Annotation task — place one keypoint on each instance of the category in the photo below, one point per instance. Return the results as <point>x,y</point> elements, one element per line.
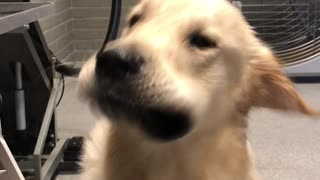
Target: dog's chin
<point>161,123</point>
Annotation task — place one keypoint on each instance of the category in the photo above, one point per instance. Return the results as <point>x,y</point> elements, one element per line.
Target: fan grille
<point>290,27</point>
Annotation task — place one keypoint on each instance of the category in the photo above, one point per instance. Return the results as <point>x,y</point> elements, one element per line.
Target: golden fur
<point>218,86</point>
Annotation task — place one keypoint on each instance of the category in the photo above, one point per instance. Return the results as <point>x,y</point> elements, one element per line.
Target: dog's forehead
<point>170,10</point>
<point>206,6</point>
<point>214,17</point>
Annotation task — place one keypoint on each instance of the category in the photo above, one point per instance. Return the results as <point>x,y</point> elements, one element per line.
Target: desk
<point>14,15</point>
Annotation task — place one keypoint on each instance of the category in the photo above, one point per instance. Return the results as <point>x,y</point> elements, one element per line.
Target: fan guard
<point>290,27</point>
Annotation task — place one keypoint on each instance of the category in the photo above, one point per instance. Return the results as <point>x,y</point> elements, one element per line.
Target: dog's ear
<point>272,89</point>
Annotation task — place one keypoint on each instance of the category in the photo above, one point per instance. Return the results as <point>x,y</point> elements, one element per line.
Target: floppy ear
<point>272,89</point>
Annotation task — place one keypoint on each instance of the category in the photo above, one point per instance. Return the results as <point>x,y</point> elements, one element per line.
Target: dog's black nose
<point>118,63</point>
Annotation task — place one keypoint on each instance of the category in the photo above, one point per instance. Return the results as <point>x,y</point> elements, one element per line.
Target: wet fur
<point>228,82</point>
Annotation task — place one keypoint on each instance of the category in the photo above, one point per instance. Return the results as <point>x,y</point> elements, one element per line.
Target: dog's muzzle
<point>116,71</point>
<point>165,125</point>
<point>118,63</point>
<point>162,124</point>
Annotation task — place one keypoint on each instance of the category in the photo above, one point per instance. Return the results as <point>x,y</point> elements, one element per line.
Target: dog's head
<point>183,65</point>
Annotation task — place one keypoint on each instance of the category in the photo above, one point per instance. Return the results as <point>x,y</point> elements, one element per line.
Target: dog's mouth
<point>159,123</point>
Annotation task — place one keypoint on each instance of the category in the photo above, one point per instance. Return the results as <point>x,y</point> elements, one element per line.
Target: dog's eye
<point>202,42</point>
<point>134,20</point>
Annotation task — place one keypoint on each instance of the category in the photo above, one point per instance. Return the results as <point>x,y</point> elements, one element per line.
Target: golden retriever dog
<point>174,92</point>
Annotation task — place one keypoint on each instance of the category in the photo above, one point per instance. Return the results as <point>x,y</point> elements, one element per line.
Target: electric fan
<point>291,28</point>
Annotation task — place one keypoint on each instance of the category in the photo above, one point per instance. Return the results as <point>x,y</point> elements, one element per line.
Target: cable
<point>1,109</point>
<point>62,90</point>
<point>62,68</point>
<point>114,23</point>
<point>71,70</point>
<point>112,33</point>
